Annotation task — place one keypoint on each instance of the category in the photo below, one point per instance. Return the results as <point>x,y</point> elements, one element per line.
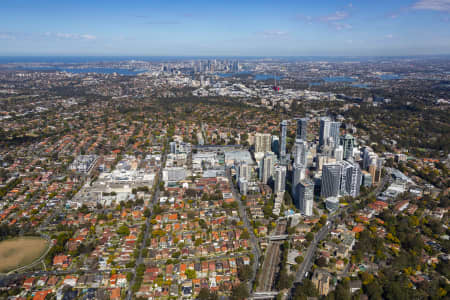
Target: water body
<point>89,59</point>
<point>255,76</point>
<point>266,77</point>
<point>89,70</point>
<point>339,79</point>
<point>103,71</point>
<point>389,76</point>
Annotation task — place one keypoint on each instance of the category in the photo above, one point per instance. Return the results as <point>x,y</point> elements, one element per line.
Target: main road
<point>243,213</point>
<point>152,203</point>
<point>323,232</point>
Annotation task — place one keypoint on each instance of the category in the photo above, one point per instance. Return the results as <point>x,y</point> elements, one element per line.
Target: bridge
<point>278,237</point>
<point>264,295</point>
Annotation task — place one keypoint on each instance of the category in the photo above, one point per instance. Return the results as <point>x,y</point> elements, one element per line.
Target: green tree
<point>245,273</point>
<point>123,230</point>
<point>240,292</point>
<point>306,289</point>
<point>191,274</point>
<point>206,294</point>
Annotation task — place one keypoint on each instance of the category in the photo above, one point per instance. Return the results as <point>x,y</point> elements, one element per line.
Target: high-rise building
<point>243,171</point>
<point>302,129</point>
<point>348,143</point>
<point>267,167</point>
<point>334,132</point>
<point>262,142</point>
<point>329,132</point>
<point>280,179</point>
<point>369,157</point>
<point>243,186</point>
<point>380,163</point>
<point>173,147</point>
<point>275,144</point>
<point>324,130</point>
<point>372,163</point>
<point>367,179</point>
<point>299,174</point>
<point>331,180</point>
<point>306,197</point>
<point>283,136</point>
<point>338,153</point>
<point>341,179</point>
<point>353,179</point>
<point>300,152</point>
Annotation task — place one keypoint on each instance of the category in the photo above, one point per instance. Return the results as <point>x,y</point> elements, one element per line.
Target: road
<point>308,258</point>
<point>243,213</point>
<point>154,201</point>
<point>323,232</point>
<point>5,279</point>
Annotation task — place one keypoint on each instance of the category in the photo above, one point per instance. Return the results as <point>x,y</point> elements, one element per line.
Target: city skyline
<point>287,28</point>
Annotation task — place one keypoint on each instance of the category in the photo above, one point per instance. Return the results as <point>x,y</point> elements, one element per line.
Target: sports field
<point>20,252</point>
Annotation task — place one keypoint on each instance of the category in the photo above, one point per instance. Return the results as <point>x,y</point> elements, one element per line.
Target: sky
<point>225,28</point>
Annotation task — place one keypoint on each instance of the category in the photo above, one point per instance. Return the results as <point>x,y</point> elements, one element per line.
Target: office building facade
<point>280,179</point>
<point>263,142</point>
<point>302,129</point>
<point>306,197</point>
<point>283,137</point>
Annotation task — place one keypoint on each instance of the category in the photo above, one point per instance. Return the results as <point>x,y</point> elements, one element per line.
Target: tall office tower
<point>331,180</point>
<point>372,163</point>
<point>367,157</point>
<point>339,153</point>
<point>324,130</point>
<point>302,129</point>
<point>300,152</point>
<point>375,169</point>
<point>380,163</point>
<point>275,144</point>
<point>280,179</point>
<point>243,186</point>
<point>283,133</point>
<point>306,197</point>
<point>299,174</point>
<point>373,172</point>
<point>263,142</point>
<point>243,171</point>
<point>173,147</point>
<point>348,143</point>
<point>353,179</point>
<point>334,132</point>
<point>267,167</point>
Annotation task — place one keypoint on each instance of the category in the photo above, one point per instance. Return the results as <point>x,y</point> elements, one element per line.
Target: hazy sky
<point>243,28</point>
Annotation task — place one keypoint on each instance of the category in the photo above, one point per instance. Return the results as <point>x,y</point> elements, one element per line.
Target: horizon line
<point>191,56</point>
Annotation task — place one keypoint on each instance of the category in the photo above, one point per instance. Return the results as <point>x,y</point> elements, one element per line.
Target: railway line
<point>271,262</point>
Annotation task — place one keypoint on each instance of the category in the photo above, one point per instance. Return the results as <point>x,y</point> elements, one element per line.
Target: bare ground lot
<point>19,252</point>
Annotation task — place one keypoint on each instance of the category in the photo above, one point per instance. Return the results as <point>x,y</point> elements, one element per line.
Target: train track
<point>269,267</point>
<point>271,261</point>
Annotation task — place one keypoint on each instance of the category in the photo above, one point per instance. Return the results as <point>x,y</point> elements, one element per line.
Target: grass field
<point>20,252</point>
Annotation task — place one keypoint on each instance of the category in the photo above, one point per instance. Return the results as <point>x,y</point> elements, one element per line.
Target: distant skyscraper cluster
<point>216,66</point>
